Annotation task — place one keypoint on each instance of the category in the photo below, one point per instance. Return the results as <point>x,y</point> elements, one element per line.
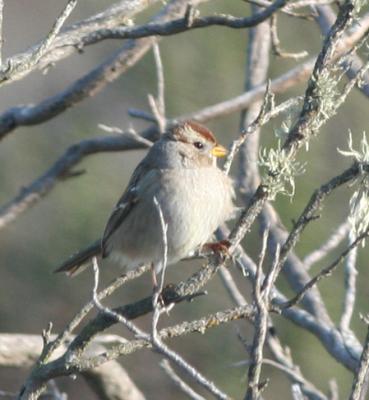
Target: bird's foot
<point>220,248</point>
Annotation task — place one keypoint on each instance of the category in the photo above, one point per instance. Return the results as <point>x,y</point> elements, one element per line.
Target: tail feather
<point>79,261</point>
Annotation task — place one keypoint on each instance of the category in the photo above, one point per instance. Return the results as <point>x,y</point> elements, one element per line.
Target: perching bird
<point>195,197</point>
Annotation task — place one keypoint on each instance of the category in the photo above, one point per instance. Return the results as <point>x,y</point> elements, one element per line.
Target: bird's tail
<point>79,261</point>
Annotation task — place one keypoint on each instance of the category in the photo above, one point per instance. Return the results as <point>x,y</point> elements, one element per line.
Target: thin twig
<point>362,370</point>
<point>140,114</point>
<point>350,272</point>
<point>129,132</point>
<point>264,117</point>
<point>291,5</point>
<point>271,276</point>
<point>254,386</point>
<point>191,371</point>
<point>183,386</point>
<point>293,374</point>
<point>276,44</point>
<point>164,261</point>
<point>43,47</point>
<point>157,105</point>
<point>331,243</point>
<point>325,271</point>
<point>95,297</point>
<point>160,98</point>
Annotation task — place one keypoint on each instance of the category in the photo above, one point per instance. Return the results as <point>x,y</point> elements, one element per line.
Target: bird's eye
<point>198,145</point>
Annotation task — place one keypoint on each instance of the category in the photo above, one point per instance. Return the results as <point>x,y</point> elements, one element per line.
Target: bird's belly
<point>192,211</point>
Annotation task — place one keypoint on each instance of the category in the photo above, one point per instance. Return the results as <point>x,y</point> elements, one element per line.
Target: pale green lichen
<point>327,90</point>
<point>280,171</point>
<point>289,121</point>
<point>359,202</point>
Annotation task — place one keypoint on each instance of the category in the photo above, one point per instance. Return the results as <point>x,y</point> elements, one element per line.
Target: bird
<point>195,197</point>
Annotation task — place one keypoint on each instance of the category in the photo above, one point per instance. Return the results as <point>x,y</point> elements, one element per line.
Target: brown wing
<point>124,206</point>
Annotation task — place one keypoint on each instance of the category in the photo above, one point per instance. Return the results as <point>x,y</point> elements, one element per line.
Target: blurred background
<point>209,67</point>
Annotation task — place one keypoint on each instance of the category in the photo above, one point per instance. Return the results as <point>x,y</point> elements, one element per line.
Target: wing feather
<point>124,206</point>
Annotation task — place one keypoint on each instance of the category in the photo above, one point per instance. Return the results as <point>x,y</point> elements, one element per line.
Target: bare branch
<point>21,351</point>
<point>181,25</point>
<point>59,367</point>
<point>201,325</point>
<point>308,121</point>
<point>325,18</point>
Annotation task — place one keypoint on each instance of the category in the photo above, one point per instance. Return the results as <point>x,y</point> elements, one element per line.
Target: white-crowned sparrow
<point>195,197</point>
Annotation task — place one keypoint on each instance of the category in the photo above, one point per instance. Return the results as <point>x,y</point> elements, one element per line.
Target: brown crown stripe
<point>202,130</point>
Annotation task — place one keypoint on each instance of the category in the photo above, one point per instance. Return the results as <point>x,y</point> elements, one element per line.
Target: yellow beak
<point>219,151</point>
